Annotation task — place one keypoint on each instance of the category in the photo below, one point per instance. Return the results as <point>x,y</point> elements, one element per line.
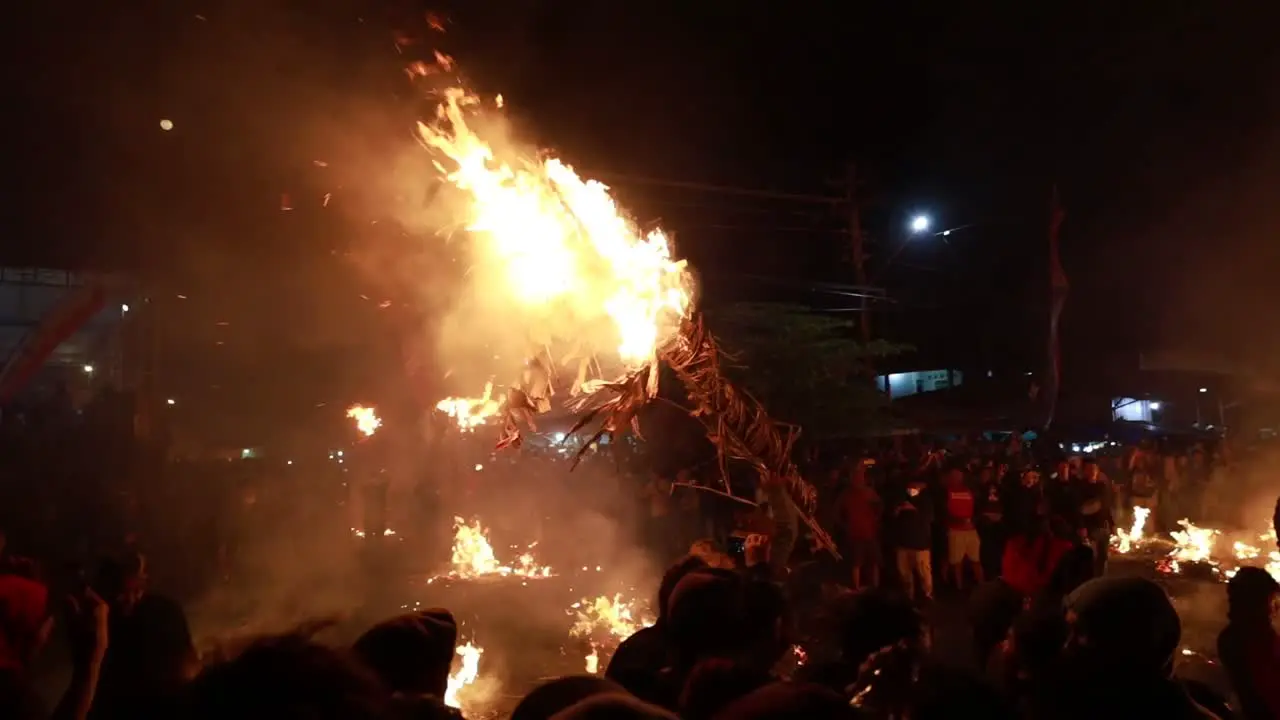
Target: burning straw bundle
<point>736,423</point>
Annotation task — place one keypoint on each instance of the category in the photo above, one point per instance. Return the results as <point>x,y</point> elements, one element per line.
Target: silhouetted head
<point>411,653</point>
<point>287,676</point>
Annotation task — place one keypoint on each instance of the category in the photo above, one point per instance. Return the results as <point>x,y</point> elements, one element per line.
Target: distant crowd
<point>752,622</point>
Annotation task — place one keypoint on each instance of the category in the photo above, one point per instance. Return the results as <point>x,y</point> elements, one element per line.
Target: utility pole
<point>859,257</point>
<point>857,246</point>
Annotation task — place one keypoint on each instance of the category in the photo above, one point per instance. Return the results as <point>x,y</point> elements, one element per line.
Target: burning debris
<point>1193,544</point>
<point>470,413</point>
<point>1196,550</point>
<point>604,623</point>
<point>566,258</point>
<point>473,556</point>
<point>367,420</point>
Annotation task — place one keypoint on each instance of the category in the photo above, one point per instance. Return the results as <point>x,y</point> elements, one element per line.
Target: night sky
<point>1155,120</point>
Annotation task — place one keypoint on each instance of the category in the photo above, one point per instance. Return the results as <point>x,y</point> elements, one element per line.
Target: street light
<point>88,369</point>
<point>920,224</point>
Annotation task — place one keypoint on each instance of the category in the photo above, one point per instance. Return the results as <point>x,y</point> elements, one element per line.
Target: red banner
<point>68,316</point>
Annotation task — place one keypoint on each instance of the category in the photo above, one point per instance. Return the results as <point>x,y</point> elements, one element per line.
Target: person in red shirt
<point>860,512</point>
<point>962,537</point>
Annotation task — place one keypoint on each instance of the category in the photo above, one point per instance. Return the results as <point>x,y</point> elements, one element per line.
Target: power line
<point>722,189</point>
<point>816,286</point>
<point>768,229</point>
<point>727,208</point>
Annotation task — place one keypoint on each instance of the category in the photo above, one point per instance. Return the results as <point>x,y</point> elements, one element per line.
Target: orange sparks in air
<point>367,420</point>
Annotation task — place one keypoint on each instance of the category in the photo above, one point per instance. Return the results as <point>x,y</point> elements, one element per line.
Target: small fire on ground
<point>466,674</point>
<point>604,623</point>
<point>1125,540</point>
<point>1194,546</point>
<point>360,533</point>
<point>473,556</point>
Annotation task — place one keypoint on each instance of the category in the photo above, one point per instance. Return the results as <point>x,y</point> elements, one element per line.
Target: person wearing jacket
<point>1249,647</point>
<point>1093,498</point>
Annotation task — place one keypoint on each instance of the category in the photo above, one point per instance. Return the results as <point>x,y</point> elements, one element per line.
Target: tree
<point>806,367</point>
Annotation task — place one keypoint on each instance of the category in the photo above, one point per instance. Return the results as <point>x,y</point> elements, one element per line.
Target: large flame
<point>556,249</point>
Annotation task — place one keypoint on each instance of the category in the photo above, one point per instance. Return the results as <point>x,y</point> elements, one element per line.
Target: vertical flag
<point>1058,287</point>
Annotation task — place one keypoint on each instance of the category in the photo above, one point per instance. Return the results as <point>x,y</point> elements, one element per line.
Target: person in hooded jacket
<point>411,655</point>
<point>1117,662</point>
<point>639,659</point>
<point>1249,647</point>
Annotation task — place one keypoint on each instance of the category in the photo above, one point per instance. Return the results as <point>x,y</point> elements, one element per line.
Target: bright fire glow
<point>617,617</point>
<point>466,674</point>
<point>606,622</point>
<point>1224,553</point>
<point>473,555</point>
<point>1125,540</point>
<point>367,420</point>
<point>469,413</point>
<point>556,247</point>
<point>1193,544</point>
<point>1248,554</point>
